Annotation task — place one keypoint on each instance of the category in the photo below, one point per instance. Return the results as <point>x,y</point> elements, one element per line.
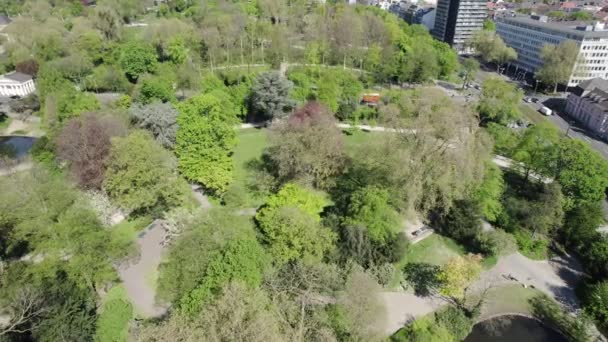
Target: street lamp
<point>536,86</point>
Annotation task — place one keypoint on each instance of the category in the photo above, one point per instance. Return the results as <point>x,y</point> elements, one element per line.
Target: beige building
<point>16,84</point>
<point>588,104</point>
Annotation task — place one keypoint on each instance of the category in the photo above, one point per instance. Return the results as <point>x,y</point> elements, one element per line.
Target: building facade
<point>528,35</point>
<point>457,20</point>
<point>16,84</point>
<point>588,104</point>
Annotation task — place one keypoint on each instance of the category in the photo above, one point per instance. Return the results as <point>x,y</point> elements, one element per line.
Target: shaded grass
<point>435,250</point>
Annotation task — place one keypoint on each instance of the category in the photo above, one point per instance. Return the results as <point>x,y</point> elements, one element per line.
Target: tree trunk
<point>555,88</point>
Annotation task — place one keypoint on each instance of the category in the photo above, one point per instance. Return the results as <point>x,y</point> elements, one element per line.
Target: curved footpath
<point>555,277</point>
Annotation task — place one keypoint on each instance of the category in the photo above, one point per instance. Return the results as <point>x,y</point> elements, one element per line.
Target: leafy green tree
<point>137,58</point>
<point>270,96</point>
<point>489,25</point>
<point>582,172</point>
<point>241,260</point>
<point>505,139</point>
<point>499,101</point>
<point>470,67</point>
<point>205,139</point>
<point>447,58</point>
<point>139,176</point>
<point>462,222</point>
<point>492,48</point>
<point>457,274</point>
<point>307,147</point>
<point>290,225</point>
<point>456,321</point>
<point>596,302</point>
<point>537,148</point>
<point>580,16</point>
<point>580,225</point>
<point>558,62</point>
<point>490,192</point>
<point>496,242</point>
<point>369,207</point>
<point>177,51</point>
<point>156,88</point>
<point>559,15</point>
<point>106,78</point>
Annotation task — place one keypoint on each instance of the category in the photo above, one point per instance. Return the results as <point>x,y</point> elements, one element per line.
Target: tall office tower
<point>457,20</point>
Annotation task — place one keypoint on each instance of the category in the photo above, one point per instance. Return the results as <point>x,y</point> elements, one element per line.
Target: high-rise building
<point>527,35</point>
<point>457,20</point>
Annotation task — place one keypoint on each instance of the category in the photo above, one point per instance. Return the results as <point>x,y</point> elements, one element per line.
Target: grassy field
<point>435,249</point>
<point>251,145</point>
<point>508,299</point>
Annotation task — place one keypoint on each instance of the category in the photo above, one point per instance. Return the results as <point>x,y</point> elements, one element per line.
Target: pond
<point>15,146</point>
<point>513,329</point>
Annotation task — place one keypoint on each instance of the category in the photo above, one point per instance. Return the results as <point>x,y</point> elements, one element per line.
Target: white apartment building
<point>588,104</point>
<point>527,35</point>
<point>16,84</point>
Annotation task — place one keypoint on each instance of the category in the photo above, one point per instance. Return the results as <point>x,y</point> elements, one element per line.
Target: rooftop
<point>18,76</point>
<point>595,86</point>
<point>571,28</point>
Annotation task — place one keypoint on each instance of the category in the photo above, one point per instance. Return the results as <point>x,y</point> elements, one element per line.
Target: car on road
<point>528,100</point>
<point>421,231</point>
<point>545,111</point>
<point>535,100</point>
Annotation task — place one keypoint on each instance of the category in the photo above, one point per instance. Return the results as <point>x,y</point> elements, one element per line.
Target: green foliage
<point>489,193</point>
<point>455,321</point>
<point>137,58</point>
<point>423,330</point>
<point>241,259</point>
<point>106,78</point>
<point>499,101</point>
<point>496,243</point>
<point>205,139</point>
<point>489,25</point>
<point>270,96</point>
<point>139,176</point>
<point>536,149</point>
<point>463,222</point>
<point>581,171</point>
<point>113,322</point>
<point>156,88</point>
<point>558,61</point>
<point>576,328</point>
<point>369,207</point>
<point>72,103</point>
<point>534,247</point>
<point>595,302</point>
<point>505,139</point>
<point>290,225</point>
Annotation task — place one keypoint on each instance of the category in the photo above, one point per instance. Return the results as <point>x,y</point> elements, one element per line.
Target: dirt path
<point>135,275</point>
<point>556,277</point>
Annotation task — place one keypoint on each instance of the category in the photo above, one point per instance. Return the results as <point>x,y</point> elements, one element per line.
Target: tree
<point>558,62</point>
<point>470,67</point>
<point>489,25</point>
<point>270,96</point>
<point>290,225</point>
<point>158,118</point>
<point>499,101</point>
<point>492,48</point>
<point>28,66</point>
<point>490,192</point>
<point>85,144</point>
<point>205,138</point>
<point>156,89</point>
<point>496,242</point>
<point>596,302</point>
<point>462,222</point>
<point>536,149</point>
<point>242,259</point>
<point>580,225</point>
<point>307,148</point>
<point>582,172</point>
<point>363,306</point>
<point>369,207</point>
<point>457,274</point>
<point>455,321</point>
<point>580,16</point>
<point>137,58</point>
<point>139,175</point>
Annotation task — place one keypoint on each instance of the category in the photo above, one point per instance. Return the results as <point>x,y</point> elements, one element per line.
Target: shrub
<point>113,322</point>
<point>533,247</point>
<point>496,243</point>
<point>456,321</point>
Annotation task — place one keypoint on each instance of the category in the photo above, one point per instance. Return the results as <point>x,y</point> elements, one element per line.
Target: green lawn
<point>508,299</point>
<point>435,249</point>
<point>251,145</point>
<point>357,137</point>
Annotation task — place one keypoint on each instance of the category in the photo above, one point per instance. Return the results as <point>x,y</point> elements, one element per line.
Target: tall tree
<point>470,67</point>
<point>499,101</point>
<point>158,118</point>
<point>205,139</point>
<point>270,96</point>
<point>85,144</point>
<point>308,147</point>
<point>558,62</point>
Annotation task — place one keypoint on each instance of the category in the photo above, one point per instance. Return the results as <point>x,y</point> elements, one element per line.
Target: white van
<point>545,110</point>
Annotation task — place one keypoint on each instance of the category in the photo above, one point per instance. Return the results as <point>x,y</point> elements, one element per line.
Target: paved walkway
<point>135,275</point>
<point>556,277</point>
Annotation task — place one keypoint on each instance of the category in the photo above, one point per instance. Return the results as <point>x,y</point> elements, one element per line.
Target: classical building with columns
<point>16,84</point>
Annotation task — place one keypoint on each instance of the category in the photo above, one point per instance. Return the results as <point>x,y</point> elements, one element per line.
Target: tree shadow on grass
<point>423,278</point>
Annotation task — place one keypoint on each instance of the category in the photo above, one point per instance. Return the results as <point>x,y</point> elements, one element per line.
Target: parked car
<point>545,111</point>
<point>420,231</point>
<point>535,100</point>
<point>528,100</point>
